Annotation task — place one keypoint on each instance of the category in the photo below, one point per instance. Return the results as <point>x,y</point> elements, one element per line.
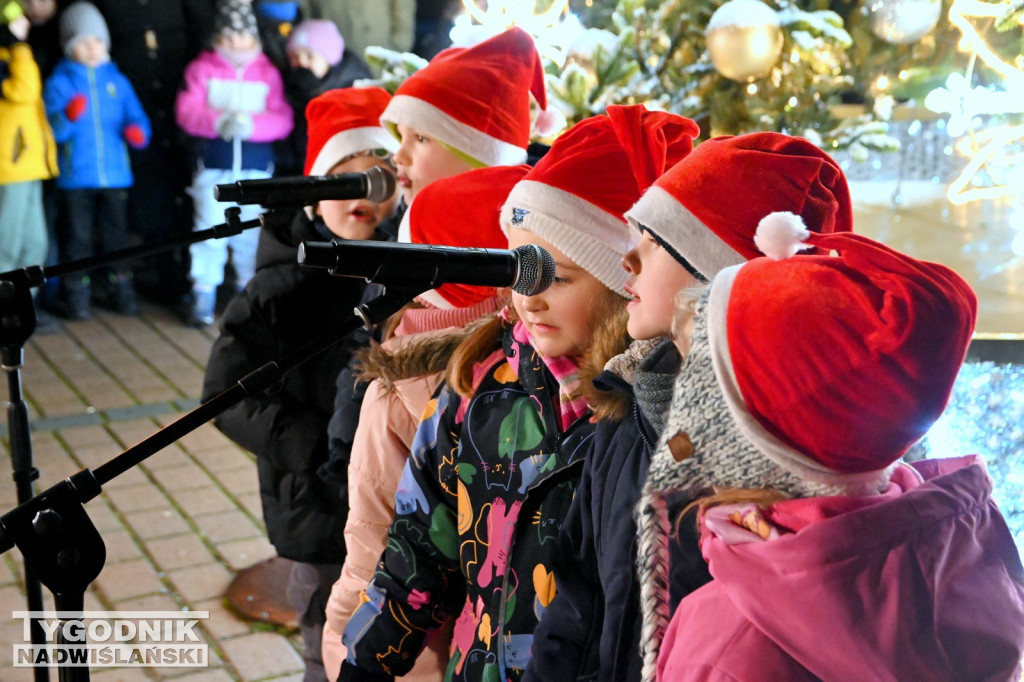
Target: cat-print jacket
<point>478,511</point>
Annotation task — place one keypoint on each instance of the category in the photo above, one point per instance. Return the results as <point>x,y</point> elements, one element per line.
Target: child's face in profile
<point>89,50</point>
<point>355,218</point>
<point>237,42</point>
<point>38,11</point>
<point>422,159</point>
<point>655,278</point>
<point>562,318</point>
<point>304,58</point>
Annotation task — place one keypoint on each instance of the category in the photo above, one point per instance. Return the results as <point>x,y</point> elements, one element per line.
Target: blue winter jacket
<point>92,152</point>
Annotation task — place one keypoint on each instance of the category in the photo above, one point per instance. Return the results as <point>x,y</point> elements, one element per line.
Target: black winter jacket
<point>591,630</point>
<point>283,307</point>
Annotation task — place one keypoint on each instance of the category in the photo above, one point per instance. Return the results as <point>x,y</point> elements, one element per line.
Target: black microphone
<point>375,184</point>
<point>527,270</point>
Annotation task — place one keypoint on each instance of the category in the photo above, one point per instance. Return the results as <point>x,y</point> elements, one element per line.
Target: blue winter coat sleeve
<point>133,112</point>
<point>57,93</point>
<point>418,582</point>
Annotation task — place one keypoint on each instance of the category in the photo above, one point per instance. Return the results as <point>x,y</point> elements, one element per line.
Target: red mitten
<point>135,136</point>
<point>76,107</point>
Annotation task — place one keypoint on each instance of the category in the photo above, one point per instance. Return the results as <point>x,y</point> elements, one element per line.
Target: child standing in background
<point>317,62</point>
<point>27,151</point>
<point>497,456</point>
<point>232,101</point>
<point>95,114</point>
<point>279,310</point>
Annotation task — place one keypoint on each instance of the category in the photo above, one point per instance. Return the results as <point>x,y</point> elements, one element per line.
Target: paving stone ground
<point>177,527</point>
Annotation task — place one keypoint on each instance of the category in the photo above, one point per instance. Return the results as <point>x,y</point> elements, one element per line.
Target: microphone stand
<point>18,322</point>
<point>59,542</point>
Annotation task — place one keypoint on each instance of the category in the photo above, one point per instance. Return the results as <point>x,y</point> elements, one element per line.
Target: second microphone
<point>376,184</point>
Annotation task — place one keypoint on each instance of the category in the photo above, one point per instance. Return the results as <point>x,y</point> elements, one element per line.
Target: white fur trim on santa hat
<point>780,235</point>
<point>553,213</point>
<point>351,141</point>
<point>658,211</point>
<point>429,120</point>
<point>866,483</point>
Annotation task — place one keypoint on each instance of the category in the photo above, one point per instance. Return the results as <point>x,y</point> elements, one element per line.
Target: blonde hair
<point>761,497</point>
<point>608,338</point>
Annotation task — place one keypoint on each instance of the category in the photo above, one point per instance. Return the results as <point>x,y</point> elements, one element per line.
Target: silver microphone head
<point>536,270</point>
<point>380,184</point>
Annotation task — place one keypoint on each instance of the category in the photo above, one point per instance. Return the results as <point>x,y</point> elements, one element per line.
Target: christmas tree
<point>736,66</point>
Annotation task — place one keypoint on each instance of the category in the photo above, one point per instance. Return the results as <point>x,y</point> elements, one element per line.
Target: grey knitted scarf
<point>653,382</point>
<point>720,456</point>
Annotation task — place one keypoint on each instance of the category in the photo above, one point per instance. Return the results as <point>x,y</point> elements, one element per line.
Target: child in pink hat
<point>318,62</point>
<point>807,380</point>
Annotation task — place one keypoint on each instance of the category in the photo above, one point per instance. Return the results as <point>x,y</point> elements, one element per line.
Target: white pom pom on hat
<point>781,235</point>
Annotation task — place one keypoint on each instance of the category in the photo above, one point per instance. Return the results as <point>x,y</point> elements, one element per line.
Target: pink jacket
<point>921,583</point>
<point>383,440</point>
<point>213,86</point>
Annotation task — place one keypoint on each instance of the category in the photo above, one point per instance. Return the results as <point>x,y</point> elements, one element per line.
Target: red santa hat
<point>344,122</point>
<point>577,193</point>
<point>706,209</point>
<point>461,210</point>
<point>476,100</point>
<point>834,366</point>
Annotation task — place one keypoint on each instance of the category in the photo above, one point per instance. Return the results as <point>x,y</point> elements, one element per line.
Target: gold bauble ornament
<point>744,40</point>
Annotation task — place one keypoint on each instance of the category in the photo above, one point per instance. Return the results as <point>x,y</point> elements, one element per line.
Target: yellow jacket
<point>27,150</point>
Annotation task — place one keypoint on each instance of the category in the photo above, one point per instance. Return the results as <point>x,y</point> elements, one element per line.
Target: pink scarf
<point>571,403</point>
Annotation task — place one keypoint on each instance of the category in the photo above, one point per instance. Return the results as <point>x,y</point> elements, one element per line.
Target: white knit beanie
<point>576,195</point>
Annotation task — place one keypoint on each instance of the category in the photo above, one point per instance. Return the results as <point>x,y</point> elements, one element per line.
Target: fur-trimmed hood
<point>404,357</point>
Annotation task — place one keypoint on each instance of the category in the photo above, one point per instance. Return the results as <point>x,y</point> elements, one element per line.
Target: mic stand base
<point>57,538</point>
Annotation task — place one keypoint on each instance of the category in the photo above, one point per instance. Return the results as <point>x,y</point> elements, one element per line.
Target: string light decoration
<point>995,153</point>
<point>553,29</point>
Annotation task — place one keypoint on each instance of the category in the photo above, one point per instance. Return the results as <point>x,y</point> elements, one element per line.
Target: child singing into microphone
<point>495,460</point>
<point>282,307</point>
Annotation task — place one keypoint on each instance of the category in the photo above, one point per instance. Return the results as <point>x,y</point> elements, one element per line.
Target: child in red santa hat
<point>685,228</point>
<point>280,309</point>
<point>808,378</point>
<point>468,108</point>
<point>497,455</point>
<point>403,373</point>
